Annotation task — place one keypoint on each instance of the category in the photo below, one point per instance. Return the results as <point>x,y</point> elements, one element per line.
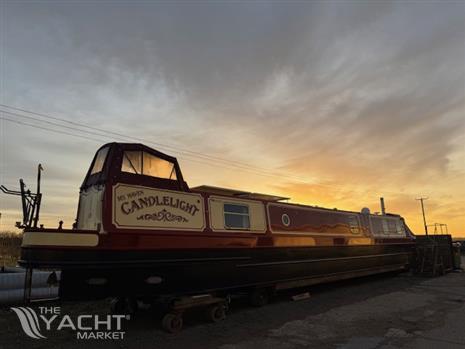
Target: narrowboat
<point>142,231</point>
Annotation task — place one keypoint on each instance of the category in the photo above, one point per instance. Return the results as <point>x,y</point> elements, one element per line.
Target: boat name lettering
<point>132,206</point>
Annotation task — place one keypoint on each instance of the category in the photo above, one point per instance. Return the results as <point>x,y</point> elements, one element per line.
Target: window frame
<point>142,153</point>
<point>105,150</point>
<point>237,214</point>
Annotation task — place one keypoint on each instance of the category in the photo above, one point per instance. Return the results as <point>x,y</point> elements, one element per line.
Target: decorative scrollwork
<point>163,216</point>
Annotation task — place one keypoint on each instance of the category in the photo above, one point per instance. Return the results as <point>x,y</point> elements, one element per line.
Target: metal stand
<point>30,202</point>
<point>433,255</point>
<point>27,286</point>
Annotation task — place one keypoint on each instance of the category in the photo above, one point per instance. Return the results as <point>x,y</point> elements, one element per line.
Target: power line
<point>73,134</point>
<point>178,149</point>
<point>52,123</point>
<point>185,154</point>
<point>182,157</point>
<point>49,129</point>
<point>230,164</point>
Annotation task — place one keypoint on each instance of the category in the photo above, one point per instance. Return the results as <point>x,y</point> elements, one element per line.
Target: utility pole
<point>423,211</point>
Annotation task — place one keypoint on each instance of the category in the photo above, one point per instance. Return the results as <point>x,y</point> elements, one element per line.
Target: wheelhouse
<point>134,164</point>
<point>124,163</point>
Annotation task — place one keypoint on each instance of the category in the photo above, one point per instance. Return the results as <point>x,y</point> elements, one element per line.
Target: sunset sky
<point>331,103</point>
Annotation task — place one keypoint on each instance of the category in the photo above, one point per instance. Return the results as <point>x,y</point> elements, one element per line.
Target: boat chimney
<point>383,208</point>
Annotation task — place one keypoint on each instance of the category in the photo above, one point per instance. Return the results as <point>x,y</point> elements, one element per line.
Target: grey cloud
<point>292,77</point>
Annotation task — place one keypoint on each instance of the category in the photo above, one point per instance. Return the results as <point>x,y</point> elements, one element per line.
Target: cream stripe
<point>313,233</point>
<point>59,239</point>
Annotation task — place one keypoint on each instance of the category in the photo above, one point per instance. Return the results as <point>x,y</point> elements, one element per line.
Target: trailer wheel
<point>172,323</point>
<point>259,297</point>
<point>216,313</point>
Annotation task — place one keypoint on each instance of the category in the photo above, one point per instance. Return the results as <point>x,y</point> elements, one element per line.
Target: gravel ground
<point>385,311</point>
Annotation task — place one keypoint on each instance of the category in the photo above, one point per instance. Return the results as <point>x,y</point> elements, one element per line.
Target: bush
<point>10,248</point>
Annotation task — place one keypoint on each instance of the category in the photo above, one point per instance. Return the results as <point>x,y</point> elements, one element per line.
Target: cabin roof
<point>237,193</point>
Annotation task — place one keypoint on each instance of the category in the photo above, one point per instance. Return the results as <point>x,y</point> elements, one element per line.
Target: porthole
<point>286,220</point>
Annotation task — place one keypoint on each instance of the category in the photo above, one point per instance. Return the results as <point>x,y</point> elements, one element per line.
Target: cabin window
<point>99,161</point>
<point>132,162</point>
<point>156,167</point>
<point>139,162</point>
<point>236,216</point>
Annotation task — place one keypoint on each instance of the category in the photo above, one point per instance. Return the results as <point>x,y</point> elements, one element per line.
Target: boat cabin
<point>131,187</point>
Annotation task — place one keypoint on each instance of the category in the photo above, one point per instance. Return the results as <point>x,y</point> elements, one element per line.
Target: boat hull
<point>93,273</point>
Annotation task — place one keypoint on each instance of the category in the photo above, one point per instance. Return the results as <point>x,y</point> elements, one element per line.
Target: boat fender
<point>96,281</point>
<point>154,280</point>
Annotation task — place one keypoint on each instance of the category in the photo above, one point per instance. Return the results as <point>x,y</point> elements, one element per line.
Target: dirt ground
<point>386,311</point>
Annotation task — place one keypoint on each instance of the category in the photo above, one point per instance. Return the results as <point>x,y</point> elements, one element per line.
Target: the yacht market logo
<point>86,326</point>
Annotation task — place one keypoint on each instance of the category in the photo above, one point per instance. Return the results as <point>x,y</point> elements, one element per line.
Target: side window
<point>392,227</point>
<point>353,224</point>
<point>132,162</point>
<point>236,216</point>
<point>143,163</point>
<point>400,228</point>
<point>99,161</point>
<point>385,227</point>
